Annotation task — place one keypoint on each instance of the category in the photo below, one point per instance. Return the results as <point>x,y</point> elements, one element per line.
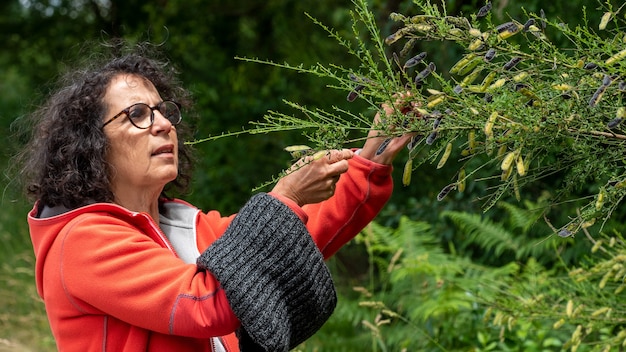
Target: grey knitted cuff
<point>274,276</point>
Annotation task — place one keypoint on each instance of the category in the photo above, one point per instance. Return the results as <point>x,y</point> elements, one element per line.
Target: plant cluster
<point>516,108</point>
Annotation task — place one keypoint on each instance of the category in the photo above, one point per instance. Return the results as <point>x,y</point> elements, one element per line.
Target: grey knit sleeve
<point>273,274</point>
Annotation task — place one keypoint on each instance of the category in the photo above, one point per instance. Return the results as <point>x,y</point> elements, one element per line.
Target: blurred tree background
<point>41,39</point>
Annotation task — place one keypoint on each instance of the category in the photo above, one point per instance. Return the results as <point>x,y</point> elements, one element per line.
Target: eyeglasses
<point>142,115</point>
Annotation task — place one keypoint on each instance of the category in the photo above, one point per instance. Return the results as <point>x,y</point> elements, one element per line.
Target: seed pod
<point>605,20</point>
<point>528,23</point>
<point>488,98</point>
<point>464,61</point>
<point>445,156</point>
<point>622,86</point>
<point>424,73</point>
<point>487,80</point>
<point>432,137</point>
<point>520,166</point>
<point>471,141</point>
<point>607,80</point>
<point>497,84</point>
<point>508,161</point>
<point>437,122</point>
<point>506,174</point>
<point>562,87</point>
<point>444,192</point>
<point>383,146</point>
<point>475,32</point>
<point>621,112</point>
<point>590,66</point>
<point>462,71</point>
<point>617,57</point>
<point>595,98</point>
<point>396,36</point>
<point>514,61</point>
<point>406,174</point>
<point>483,11</point>
<point>489,125</point>
<point>298,151</point>
<point>490,54</point>
<point>516,191</point>
<point>564,233</point>
<point>520,76</point>
<point>476,44</point>
<point>354,93</point>
<point>413,142</point>
<point>461,181</point>
<point>507,29</point>
<point>543,18</point>
<point>469,79</point>
<point>458,89</point>
<point>569,308</point>
<point>438,100</point>
<point>614,123</point>
<point>415,60</point>
<point>600,200</point>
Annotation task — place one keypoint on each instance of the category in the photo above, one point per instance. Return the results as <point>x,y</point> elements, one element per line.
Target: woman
<point>122,267</point>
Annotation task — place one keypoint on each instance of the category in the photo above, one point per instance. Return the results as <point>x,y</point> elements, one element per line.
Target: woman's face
<point>142,160</point>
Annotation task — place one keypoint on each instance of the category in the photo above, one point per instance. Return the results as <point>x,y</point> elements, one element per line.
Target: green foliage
<point>546,101</point>
<point>419,296</point>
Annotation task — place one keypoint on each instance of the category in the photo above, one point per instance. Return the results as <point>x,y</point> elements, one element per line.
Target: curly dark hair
<point>65,161</point>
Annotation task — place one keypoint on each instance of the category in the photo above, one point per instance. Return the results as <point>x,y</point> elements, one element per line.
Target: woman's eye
<point>137,113</point>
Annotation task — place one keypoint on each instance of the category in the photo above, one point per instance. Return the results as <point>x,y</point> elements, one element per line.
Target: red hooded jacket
<point>114,280</point>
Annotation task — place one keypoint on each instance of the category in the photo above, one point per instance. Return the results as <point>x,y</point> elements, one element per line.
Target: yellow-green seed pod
<point>406,175</point>
<point>497,84</point>
<point>600,199</point>
<point>490,122</point>
<point>621,112</point>
<point>487,81</point>
<point>462,71</point>
<point>558,324</point>
<point>461,181</point>
<point>562,87</point>
<point>501,151</point>
<point>588,223</point>
<point>475,32</point>
<point>520,76</point>
<point>605,20</point>
<point>438,100</point>
<point>506,174</point>
<point>475,45</point>
<point>600,311</point>
<point>471,141</point>
<point>464,61</point>
<point>569,308</point>
<point>469,79</point>
<point>434,91</point>
<point>520,166</point>
<point>298,151</point>
<point>445,156</point>
<point>617,57</point>
<point>508,161</point>
<point>424,28</point>
<point>456,32</point>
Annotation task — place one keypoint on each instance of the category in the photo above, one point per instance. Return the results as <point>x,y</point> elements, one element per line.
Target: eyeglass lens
<point>142,115</point>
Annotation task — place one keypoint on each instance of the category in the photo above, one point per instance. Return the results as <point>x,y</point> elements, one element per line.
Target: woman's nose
<point>161,124</point>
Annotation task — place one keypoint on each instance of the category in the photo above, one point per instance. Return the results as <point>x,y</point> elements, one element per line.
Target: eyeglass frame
<point>152,109</point>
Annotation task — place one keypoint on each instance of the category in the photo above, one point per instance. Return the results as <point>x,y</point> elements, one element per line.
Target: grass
<point>23,322</point>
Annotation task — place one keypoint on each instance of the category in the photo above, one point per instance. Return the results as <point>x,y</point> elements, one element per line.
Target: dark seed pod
<point>432,137</point>
<point>435,114</point>
<point>514,61</point>
<point>414,142</point>
<point>419,79</point>
<point>613,123</point>
<point>565,233</point>
<point>543,18</point>
<point>488,98</point>
<point>519,86</point>
<point>530,103</point>
<point>458,89</point>
<point>354,93</point>
<point>415,60</point>
<point>566,96</point>
<point>595,98</point>
<point>483,11</point>
<point>507,27</point>
<point>607,80</point>
<point>444,192</point>
<point>437,122</point>
<point>590,66</point>
<point>383,146</point>
<point>490,54</point>
<point>528,23</point>
<point>621,86</point>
